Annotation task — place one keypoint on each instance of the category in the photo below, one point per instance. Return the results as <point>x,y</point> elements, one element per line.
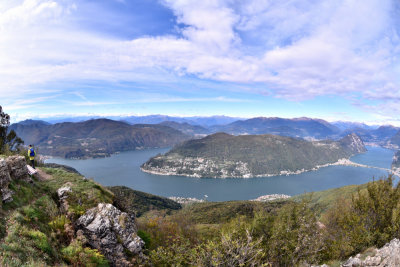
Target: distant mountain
<point>213,120</point>
<point>33,122</point>
<point>222,155</point>
<point>95,138</point>
<point>385,132</point>
<point>298,127</point>
<point>394,141</point>
<point>186,128</point>
<point>381,135</point>
<point>151,119</point>
<point>396,161</point>
<point>31,131</point>
<point>201,121</point>
<point>54,120</point>
<point>348,125</point>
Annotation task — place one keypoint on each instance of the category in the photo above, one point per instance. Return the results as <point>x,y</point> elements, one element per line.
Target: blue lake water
<point>124,169</point>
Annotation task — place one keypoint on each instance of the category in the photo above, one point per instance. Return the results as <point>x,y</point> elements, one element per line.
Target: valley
<point>127,167</point>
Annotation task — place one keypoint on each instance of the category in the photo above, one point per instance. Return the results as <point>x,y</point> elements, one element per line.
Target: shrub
<point>177,253</point>
<point>77,255</point>
<point>370,218</point>
<point>166,230</point>
<point>295,236</point>
<point>233,249</point>
<point>145,237</point>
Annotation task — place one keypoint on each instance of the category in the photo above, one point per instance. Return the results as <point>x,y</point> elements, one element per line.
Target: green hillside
<point>95,138</point>
<point>137,202</point>
<point>224,155</point>
<point>38,228</point>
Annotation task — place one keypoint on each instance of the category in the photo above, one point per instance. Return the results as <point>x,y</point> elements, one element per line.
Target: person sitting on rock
<point>32,154</point>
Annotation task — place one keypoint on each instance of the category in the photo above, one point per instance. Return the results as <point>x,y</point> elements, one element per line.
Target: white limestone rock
<point>111,231</point>
<point>387,256</point>
<point>17,168</point>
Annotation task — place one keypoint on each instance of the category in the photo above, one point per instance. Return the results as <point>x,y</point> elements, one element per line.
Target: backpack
<point>31,152</point>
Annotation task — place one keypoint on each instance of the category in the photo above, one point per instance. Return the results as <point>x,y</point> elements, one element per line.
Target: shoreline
<point>340,162</point>
<point>263,198</point>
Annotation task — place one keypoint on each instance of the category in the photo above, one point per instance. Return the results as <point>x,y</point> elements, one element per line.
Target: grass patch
<point>31,227</point>
<point>3,230</point>
<point>324,200</point>
<point>137,202</point>
<point>24,244</point>
<point>85,194</point>
<point>24,193</point>
<point>221,212</point>
<point>77,255</point>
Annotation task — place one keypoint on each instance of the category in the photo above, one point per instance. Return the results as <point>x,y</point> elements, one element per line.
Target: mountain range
<point>382,135</point>
<point>151,119</point>
<point>95,138</point>
<point>222,155</point>
<point>101,137</point>
<point>297,127</point>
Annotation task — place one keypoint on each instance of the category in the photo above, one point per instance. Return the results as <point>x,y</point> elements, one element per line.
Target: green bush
<point>77,255</point>
<point>235,248</point>
<point>370,218</point>
<point>145,237</point>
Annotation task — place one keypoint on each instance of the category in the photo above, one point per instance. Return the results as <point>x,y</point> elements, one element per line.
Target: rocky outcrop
<point>13,167</point>
<point>354,143</point>
<point>387,256</point>
<point>62,193</point>
<point>4,174</point>
<point>5,179</point>
<point>17,168</point>
<point>112,232</point>
<point>61,166</point>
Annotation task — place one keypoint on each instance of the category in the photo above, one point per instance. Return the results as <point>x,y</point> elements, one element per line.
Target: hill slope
<point>380,136</point>
<point>137,202</point>
<point>222,155</point>
<point>95,138</point>
<point>298,127</point>
<point>193,130</point>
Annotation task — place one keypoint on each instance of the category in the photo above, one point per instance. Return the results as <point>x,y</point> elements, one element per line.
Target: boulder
<point>6,194</point>
<point>352,262</point>
<point>4,174</point>
<point>62,193</point>
<point>17,168</point>
<point>112,232</point>
<point>387,256</point>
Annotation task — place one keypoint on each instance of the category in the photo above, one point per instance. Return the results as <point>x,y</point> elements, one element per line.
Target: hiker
<point>32,154</point>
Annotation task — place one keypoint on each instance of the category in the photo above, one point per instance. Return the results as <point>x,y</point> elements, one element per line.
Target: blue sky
<point>329,59</point>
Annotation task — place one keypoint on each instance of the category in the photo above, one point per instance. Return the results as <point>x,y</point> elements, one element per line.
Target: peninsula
<point>222,155</point>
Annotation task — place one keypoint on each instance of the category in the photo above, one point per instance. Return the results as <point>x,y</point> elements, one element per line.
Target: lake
<point>124,169</point>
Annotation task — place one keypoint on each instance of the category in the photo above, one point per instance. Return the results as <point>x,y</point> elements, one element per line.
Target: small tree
<point>296,237</point>
<point>13,142</point>
<point>4,123</point>
<point>8,140</point>
<point>371,218</point>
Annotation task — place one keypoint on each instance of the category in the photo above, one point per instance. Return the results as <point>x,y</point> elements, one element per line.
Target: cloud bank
<point>296,49</point>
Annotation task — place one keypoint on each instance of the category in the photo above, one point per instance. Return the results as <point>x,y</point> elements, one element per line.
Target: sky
<point>328,59</point>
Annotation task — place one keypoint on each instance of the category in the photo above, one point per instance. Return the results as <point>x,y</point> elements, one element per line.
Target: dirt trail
<point>42,176</point>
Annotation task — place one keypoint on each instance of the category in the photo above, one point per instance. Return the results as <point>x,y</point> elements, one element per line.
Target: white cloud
<point>299,48</point>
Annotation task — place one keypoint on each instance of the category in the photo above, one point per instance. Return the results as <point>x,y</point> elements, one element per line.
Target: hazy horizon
<point>121,116</point>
